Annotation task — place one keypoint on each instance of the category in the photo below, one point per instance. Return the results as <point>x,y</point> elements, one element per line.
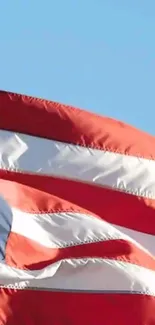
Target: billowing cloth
<point>77,217</point>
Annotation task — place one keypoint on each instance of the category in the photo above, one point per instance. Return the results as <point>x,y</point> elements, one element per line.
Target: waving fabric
<point>77,217</point>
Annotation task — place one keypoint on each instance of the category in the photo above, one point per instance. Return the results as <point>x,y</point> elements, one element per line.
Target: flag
<point>77,217</point>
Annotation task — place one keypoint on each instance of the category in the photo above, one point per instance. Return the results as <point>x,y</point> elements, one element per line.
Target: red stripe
<point>32,200</point>
<point>115,207</point>
<point>57,308</point>
<point>59,122</point>
<point>34,256</point>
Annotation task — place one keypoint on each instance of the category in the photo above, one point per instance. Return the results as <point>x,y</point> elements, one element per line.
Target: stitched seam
<point>88,146</point>
<point>88,241</point>
<point>19,287</point>
<point>83,242</point>
<point>52,211</point>
<point>16,286</point>
<point>135,192</point>
<point>71,108</point>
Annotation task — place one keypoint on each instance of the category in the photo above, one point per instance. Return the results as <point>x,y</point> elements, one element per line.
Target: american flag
<point>77,217</point>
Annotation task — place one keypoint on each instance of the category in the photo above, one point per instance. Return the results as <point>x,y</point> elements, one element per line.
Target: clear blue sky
<point>95,54</point>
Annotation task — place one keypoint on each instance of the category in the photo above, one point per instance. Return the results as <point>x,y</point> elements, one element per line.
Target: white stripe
<point>41,156</point>
<point>83,274</point>
<point>56,230</point>
<point>70,228</point>
<point>143,239</point>
<point>62,229</point>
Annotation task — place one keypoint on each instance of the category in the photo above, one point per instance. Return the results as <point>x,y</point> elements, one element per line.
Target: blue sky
<point>95,54</point>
